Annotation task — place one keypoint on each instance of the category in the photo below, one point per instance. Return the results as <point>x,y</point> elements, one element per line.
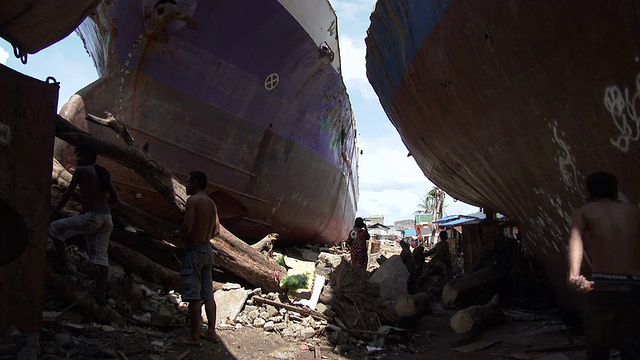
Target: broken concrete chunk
<point>392,277</point>
<point>268,326</point>
<point>330,260</point>
<point>272,311</point>
<point>229,303</point>
<point>259,322</point>
<point>231,286</point>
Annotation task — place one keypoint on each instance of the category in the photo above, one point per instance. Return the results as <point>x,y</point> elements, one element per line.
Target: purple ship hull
<point>247,91</point>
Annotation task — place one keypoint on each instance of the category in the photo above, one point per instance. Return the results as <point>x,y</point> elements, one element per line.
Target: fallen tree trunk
<point>472,288</point>
<point>241,259</point>
<point>232,253</point>
<point>143,267</point>
<point>265,246</point>
<point>85,303</point>
<point>412,306</point>
<point>161,252</point>
<point>477,317</point>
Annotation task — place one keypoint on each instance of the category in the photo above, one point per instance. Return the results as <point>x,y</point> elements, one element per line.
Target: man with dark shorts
<point>98,196</point>
<point>200,224</point>
<point>610,232</point>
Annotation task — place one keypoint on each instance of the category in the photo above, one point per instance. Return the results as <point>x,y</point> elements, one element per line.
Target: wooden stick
<point>300,310</point>
<point>124,357</point>
<point>114,125</point>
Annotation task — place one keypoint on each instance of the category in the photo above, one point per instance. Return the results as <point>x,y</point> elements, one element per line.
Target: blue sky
<point>391,184</point>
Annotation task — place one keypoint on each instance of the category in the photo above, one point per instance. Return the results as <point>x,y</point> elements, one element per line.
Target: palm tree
<point>426,203</point>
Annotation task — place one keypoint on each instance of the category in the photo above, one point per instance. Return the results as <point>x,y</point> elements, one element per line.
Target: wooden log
<point>86,304</point>
<point>412,306</point>
<point>158,176</point>
<point>143,267</point>
<point>297,309</point>
<point>232,253</point>
<point>265,246</point>
<point>477,317</point>
<point>470,288</point>
<point>241,259</point>
<point>114,125</point>
<point>161,252</point>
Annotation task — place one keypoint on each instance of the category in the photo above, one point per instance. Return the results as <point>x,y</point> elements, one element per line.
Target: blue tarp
<point>410,233</point>
<point>460,221</point>
<point>446,218</point>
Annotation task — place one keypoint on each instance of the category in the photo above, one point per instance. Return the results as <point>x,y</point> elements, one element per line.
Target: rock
<point>307,332</point>
<point>268,326</point>
<point>277,319</point>
<point>63,339</point>
<point>330,260</point>
<point>163,317</point>
<point>254,314</point>
<point>264,315</point>
<point>249,308</point>
<point>321,308</point>
<point>107,353</point>
<point>259,322</point>
<point>108,329</point>
<point>225,327</point>
<point>229,303</point>
<point>231,286</point>
<point>271,310</point>
<point>30,350</point>
<point>279,326</point>
<point>337,350</point>
<point>324,270</point>
<point>392,277</point>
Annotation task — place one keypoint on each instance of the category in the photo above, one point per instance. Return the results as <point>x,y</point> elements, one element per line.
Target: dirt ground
<point>432,338</point>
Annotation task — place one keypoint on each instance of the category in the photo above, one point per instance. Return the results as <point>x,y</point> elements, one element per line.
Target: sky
<point>393,190</point>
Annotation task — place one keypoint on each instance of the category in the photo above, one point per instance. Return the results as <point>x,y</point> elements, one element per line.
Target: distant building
<point>378,230</point>
<point>374,219</point>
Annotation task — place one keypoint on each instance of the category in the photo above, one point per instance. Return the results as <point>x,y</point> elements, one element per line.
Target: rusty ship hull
<point>509,105</point>
<point>248,91</point>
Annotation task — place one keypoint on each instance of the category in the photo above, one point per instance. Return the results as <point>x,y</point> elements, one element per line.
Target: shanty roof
<point>465,220</point>
<point>446,218</point>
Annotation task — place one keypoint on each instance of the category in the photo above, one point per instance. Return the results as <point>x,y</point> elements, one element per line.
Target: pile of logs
<point>158,260</point>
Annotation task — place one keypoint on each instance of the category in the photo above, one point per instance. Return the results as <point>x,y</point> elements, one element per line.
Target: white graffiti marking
<point>623,110</point>
<point>566,162</point>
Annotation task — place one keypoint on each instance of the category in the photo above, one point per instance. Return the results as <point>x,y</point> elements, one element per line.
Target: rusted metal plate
<point>27,108</point>
<point>510,105</point>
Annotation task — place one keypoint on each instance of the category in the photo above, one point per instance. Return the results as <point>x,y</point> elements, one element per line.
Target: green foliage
<point>295,282</point>
<point>281,261</point>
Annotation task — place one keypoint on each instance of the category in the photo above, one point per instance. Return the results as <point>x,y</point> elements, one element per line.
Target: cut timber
<point>410,306</point>
<point>231,253</point>
<point>143,267</point>
<point>87,305</point>
<point>161,252</point>
<point>478,316</point>
<point>466,290</point>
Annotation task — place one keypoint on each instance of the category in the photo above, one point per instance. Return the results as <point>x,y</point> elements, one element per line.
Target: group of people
<point>604,232</point>
<point>199,225</point>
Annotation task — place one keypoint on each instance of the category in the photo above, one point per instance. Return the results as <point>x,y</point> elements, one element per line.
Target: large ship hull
<point>510,105</point>
<point>239,90</point>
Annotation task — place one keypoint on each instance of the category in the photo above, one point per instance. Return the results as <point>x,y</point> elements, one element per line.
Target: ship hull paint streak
<point>282,159</point>
<point>510,105</point>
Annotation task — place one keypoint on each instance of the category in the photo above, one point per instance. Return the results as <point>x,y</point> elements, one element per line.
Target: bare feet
<point>210,336</point>
<point>185,341</point>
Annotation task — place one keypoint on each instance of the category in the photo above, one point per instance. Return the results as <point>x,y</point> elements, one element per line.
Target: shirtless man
<point>610,231</point>
<point>200,224</point>
<point>98,196</point>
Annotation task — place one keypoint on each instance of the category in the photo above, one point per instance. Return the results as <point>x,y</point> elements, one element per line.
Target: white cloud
<point>4,55</point>
<point>354,71</point>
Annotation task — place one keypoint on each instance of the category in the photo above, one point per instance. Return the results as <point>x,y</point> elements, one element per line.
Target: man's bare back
<point>612,236</point>
<point>205,219</point>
